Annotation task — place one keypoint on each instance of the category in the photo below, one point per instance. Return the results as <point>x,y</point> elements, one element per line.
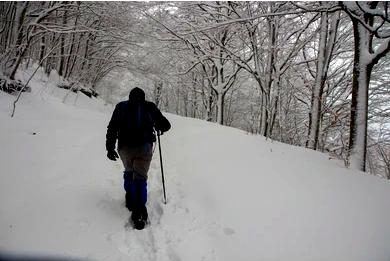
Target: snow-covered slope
<point>231,196</point>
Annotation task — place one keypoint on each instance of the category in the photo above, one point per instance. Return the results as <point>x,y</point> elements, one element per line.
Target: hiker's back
<point>136,123</point>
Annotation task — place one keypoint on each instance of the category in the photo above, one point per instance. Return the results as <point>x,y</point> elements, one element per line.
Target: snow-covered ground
<point>231,196</point>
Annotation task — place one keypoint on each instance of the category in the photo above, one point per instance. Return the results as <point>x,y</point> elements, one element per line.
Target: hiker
<point>134,123</point>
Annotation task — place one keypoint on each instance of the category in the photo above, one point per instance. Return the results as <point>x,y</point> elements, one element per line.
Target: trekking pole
<point>162,169</point>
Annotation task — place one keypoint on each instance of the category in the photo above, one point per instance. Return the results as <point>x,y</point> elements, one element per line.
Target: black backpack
<point>137,124</point>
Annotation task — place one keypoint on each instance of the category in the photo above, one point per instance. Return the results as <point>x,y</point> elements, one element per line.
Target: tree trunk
<point>62,48</point>
<point>359,116</point>
<point>318,85</point>
<point>74,60</point>
<point>365,57</point>
<point>209,113</point>
<point>9,37</point>
<point>50,60</point>
<point>86,52</point>
<point>42,48</point>
<point>359,105</point>
<point>269,76</point>
<point>8,13</point>
<point>264,114</point>
<point>21,9</point>
<point>220,106</point>
<point>274,110</point>
<point>158,85</point>
<point>325,49</point>
<point>194,95</point>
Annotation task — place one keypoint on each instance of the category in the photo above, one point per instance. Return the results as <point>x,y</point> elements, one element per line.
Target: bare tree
<point>371,42</point>
<point>326,45</point>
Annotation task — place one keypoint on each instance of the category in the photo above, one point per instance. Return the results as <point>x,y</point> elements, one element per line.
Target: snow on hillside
<point>231,196</point>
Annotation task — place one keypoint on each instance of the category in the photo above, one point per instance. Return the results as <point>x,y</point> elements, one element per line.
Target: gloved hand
<point>112,155</point>
<point>159,132</point>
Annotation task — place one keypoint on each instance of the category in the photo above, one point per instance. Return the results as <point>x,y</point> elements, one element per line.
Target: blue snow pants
<point>136,191</point>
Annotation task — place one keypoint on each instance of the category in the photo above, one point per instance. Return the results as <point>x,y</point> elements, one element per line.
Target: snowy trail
<point>153,243</point>
<point>231,196</point>
<point>160,239</point>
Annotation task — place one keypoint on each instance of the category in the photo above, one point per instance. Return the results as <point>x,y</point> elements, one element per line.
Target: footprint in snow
<point>228,231</point>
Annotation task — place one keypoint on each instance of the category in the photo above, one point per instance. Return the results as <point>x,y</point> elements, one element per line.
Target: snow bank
<point>231,196</point>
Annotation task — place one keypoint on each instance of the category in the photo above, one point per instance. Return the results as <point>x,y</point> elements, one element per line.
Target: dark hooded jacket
<point>134,122</point>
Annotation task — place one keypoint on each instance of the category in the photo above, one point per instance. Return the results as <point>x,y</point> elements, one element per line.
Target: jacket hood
<point>137,95</point>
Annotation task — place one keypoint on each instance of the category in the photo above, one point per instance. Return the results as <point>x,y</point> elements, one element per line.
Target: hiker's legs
<point>136,162</point>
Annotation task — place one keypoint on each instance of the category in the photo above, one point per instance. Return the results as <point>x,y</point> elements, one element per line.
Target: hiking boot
<point>139,217</point>
<point>138,220</point>
<point>139,224</point>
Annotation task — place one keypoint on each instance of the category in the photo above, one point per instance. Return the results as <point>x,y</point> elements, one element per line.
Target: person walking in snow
<point>134,123</point>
